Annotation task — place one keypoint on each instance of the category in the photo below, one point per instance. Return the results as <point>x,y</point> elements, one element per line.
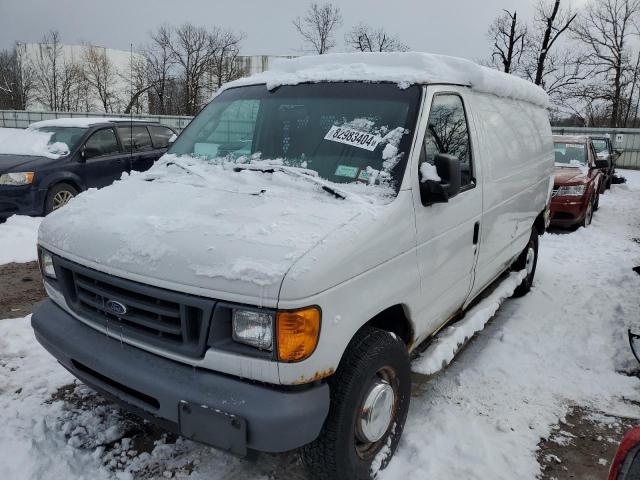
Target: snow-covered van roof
<point>403,68</point>
<point>78,122</point>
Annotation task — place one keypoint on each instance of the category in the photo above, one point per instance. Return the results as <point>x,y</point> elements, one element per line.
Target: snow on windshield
<point>33,142</point>
<point>346,133</point>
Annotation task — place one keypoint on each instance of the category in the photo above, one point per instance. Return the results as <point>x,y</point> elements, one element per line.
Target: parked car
<point>626,463</point>
<point>604,151</point>
<point>577,181</point>
<point>263,285</point>
<point>43,167</point>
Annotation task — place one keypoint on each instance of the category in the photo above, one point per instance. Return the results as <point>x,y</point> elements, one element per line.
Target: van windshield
<point>344,132</point>
<point>570,154</point>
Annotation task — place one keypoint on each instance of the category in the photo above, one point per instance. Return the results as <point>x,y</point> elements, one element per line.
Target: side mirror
<point>600,163</point>
<point>619,151</point>
<point>440,191</point>
<point>83,154</point>
<point>172,139</point>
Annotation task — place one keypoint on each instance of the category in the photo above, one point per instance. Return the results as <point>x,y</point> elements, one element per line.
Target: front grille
<point>175,321</point>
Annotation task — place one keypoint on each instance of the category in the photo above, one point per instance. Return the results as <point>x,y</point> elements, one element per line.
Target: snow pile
<point>403,68</point>
<point>32,142</point>
<point>447,343</point>
<point>18,237</point>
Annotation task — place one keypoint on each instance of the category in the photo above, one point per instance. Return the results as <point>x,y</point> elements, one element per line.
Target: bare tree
<point>161,65</point>
<point>102,75</point>
<point>56,76</point>
<point>318,26</point>
<point>193,49</point>
<point>364,38</point>
<point>508,38</point>
<point>550,23</point>
<point>16,79</point>
<point>225,59</point>
<point>605,28</point>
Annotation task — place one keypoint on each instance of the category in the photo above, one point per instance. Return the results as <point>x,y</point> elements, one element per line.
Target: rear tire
<point>528,260</point>
<point>58,196</point>
<point>375,364</point>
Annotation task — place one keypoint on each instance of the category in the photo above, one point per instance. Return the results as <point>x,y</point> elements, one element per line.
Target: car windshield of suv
<point>600,146</point>
<point>570,154</point>
<point>340,132</point>
<point>70,136</point>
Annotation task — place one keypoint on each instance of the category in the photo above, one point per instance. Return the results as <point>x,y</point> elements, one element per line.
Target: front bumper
<point>21,200</point>
<point>220,410</point>
<point>567,211</point>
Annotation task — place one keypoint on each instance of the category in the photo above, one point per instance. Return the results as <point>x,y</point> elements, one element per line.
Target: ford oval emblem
<point>116,307</point>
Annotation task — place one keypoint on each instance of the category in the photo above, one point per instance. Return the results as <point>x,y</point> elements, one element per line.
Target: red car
<point>577,181</point>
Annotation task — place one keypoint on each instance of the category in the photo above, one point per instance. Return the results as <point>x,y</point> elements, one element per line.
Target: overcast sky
<point>452,27</point>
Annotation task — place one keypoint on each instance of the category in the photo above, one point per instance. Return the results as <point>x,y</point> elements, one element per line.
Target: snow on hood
<point>403,68</point>
<point>217,230</point>
<point>33,143</point>
<point>566,174</point>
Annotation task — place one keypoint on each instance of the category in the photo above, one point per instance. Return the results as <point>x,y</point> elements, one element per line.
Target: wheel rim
<point>531,256</point>
<point>61,198</point>
<point>376,412</point>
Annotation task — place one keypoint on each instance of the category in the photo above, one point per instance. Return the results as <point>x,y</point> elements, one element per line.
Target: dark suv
<point>605,151</point>
<point>43,167</point>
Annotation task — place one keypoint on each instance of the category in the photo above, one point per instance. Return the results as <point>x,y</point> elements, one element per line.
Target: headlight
<point>253,327</point>
<point>571,191</point>
<point>46,265</point>
<point>16,178</point>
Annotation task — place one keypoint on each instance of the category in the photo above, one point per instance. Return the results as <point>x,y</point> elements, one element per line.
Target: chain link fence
<point>22,118</point>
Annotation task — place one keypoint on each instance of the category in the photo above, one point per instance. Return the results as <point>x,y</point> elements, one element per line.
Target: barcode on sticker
<point>352,137</point>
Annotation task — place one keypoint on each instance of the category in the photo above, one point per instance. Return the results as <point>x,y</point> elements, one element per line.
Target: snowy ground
<point>482,417</point>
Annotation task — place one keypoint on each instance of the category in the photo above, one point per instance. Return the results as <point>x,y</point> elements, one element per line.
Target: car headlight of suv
<point>571,191</point>
<point>16,178</point>
<point>253,327</point>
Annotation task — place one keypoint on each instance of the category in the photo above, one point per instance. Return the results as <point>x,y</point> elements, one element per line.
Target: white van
<point>262,286</point>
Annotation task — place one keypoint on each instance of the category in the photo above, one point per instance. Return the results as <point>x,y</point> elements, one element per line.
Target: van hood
<point>224,232</point>
<point>570,175</point>
<point>11,163</point>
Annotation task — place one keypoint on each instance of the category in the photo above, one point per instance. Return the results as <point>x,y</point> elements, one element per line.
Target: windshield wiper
<point>296,172</point>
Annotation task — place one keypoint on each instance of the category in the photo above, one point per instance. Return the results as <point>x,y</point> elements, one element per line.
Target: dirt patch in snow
<point>21,287</point>
<point>582,445</point>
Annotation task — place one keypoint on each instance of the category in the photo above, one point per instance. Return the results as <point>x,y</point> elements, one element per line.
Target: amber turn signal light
<point>298,332</point>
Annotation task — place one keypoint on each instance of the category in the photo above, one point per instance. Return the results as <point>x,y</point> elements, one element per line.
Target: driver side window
<point>102,142</point>
<point>448,133</point>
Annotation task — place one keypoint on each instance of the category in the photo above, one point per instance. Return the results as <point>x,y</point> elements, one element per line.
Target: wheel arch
<point>395,319</point>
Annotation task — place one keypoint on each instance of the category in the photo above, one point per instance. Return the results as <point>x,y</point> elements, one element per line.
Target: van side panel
<point>515,146</point>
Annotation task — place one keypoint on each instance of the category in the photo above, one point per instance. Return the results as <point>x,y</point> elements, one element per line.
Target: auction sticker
<point>352,137</point>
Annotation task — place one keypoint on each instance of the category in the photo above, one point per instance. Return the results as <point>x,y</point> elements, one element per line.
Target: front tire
<point>370,395</point>
<point>58,196</point>
<point>588,216</point>
<point>528,260</point>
